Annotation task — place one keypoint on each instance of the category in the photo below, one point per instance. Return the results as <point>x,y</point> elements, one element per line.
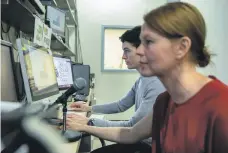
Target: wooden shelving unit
<point>18,15</point>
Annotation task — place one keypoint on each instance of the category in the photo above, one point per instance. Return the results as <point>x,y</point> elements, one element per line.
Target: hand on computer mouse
<point>78,118</point>
<point>80,106</point>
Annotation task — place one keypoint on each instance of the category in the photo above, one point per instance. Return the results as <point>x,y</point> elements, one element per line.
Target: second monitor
<point>63,72</point>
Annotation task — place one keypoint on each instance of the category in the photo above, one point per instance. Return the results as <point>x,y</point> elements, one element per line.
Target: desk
<point>73,147</point>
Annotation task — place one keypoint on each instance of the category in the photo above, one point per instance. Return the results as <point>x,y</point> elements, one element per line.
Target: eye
<point>148,42</point>
<point>126,51</point>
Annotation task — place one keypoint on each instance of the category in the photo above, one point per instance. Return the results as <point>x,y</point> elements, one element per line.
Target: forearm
<point>107,123</point>
<point>115,134</point>
<point>116,107</point>
<point>107,108</point>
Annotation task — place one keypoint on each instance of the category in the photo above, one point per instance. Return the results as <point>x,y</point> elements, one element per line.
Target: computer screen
<point>63,72</point>
<point>8,86</point>
<point>38,70</point>
<point>56,18</point>
<point>82,71</point>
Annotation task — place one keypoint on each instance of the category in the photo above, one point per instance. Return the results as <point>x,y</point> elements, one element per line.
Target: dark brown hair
<point>178,19</point>
<point>132,36</point>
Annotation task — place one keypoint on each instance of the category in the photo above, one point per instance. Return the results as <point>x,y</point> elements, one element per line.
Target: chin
<point>130,67</point>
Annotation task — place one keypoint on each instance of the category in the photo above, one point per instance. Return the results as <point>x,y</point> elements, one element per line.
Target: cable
<point>1,36</point>
<point>11,41</point>
<point>8,29</point>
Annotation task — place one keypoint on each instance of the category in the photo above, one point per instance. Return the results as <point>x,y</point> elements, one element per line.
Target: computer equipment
<point>8,86</point>
<point>63,72</point>
<point>80,97</point>
<point>38,70</point>
<point>56,18</point>
<point>82,71</point>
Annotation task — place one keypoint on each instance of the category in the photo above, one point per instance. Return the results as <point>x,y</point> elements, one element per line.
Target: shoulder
<point>162,100</point>
<point>161,104</point>
<point>160,111</point>
<point>217,95</point>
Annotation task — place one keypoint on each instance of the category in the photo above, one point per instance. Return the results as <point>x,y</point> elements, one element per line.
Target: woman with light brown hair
<point>192,116</point>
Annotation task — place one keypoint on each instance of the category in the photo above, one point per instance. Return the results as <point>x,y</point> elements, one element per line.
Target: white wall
<point>216,16</point>
<point>92,15</point>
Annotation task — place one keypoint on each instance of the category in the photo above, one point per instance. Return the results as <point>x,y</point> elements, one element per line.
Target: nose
<point>124,56</point>
<point>141,51</point>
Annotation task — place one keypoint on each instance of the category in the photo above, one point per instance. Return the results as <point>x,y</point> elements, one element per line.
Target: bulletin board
<point>111,57</point>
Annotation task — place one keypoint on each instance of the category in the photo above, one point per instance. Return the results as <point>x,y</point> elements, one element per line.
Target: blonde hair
<point>178,19</point>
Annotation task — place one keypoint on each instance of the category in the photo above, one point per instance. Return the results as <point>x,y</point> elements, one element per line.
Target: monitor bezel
<point>61,56</point>
<point>30,97</point>
<point>10,45</point>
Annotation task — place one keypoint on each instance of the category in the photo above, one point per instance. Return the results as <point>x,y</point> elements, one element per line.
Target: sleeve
<point>152,90</point>
<point>119,106</point>
<point>220,143</point>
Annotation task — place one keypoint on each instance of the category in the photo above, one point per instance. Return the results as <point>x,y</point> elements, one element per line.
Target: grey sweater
<point>143,95</point>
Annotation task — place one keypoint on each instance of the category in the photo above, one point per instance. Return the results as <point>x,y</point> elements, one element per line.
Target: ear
<point>184,45</point>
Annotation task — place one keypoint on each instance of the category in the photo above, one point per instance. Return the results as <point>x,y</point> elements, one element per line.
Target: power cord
<point>8,28</point>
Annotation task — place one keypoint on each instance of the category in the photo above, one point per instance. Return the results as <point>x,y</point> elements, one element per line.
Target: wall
<point>216,16</point>
<point>92,15</point>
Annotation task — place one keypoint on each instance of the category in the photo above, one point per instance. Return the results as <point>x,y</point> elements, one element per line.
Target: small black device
<point>82,71</point>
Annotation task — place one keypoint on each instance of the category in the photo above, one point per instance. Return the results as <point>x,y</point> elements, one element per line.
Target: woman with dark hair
<point>192,116</point>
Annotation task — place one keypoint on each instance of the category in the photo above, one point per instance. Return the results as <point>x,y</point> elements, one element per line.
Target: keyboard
<point>79,97</point>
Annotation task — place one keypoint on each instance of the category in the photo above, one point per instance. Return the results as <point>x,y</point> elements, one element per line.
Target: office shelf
<point>49,2</point>
<point>69,6</point>
<point>66,4</point>
<point>18,15</point>
<point>58,45</point>
<point>70,18</point>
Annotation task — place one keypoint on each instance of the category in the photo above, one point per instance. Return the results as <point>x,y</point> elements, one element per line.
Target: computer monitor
<point>57,19</point>
<point>82,71</point>
<point>8,86</point>
<point>38,70</point>
<point>63,72</point>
